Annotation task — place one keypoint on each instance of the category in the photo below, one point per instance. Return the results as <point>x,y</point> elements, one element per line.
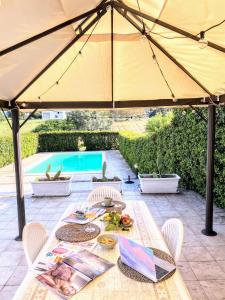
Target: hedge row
<point>32,143</point>
<point>29,146</point>
<point>182,148</point>
<point>73,140</point>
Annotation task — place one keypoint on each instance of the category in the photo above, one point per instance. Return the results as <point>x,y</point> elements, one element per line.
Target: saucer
<point>104,205</point>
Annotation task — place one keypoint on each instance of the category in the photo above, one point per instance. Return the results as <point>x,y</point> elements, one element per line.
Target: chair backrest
<point>34,238</point>
<point>173,233</point>
<point>99,193</point>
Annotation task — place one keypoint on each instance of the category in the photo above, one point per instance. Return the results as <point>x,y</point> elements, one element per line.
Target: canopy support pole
<point>18,171</point>
<point>112,54</point>
<point>210,172</point>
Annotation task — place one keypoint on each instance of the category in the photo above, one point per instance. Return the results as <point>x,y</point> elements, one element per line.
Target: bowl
<point>107,241</point>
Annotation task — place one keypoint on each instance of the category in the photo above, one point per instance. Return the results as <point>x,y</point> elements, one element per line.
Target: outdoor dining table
<point>113,284</point>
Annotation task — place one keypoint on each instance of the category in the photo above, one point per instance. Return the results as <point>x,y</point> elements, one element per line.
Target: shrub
<point>182,144</point>
<point>100,140</point>
<point>158,122</point>
<point>58,141</point>
<point>6,151</point>
<point>69,140</point>
<point>29,144</point>
<point>138,149</point>
<point>51,125</point>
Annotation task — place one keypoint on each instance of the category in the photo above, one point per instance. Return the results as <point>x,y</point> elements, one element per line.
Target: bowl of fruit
<point>107,241</point>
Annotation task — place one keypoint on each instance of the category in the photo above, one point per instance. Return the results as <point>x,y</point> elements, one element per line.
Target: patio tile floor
<point>202,262</point>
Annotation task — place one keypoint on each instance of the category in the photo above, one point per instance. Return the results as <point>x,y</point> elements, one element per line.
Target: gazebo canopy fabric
<point>117,62</point>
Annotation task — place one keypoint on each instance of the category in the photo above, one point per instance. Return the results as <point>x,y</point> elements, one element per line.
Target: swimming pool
<point>70,162</point>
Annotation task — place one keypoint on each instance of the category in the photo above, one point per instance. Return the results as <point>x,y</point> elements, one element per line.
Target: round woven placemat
<point>77,233</point>
<point>118,206</point>
<point>133,274</point>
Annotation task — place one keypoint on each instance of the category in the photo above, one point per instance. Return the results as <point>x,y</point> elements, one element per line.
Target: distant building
<point>53,115</point>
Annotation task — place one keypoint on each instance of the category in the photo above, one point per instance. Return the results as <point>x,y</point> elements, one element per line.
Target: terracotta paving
<point>202,262</point>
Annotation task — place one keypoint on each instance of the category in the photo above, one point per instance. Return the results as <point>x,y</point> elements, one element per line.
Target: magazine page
<point>88,263</point>
<point>63,280</point>
<point>59,252</point>
<point>89,215</point>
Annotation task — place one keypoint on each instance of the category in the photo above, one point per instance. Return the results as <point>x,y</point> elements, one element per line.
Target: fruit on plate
<point>126,220</point>
<point>114,221</point>
<point>107,218</point>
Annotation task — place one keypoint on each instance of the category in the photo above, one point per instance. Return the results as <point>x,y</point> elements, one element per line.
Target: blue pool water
<point>70,162</point>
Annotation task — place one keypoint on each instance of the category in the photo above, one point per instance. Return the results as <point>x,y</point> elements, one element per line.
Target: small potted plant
<point>115,182</point>
<point>159,183</point>
<point>56,185</point>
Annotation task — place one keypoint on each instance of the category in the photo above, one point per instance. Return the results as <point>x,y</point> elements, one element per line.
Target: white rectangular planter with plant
<point>114,182</point>
<point>155,184</point>
<point>51,186</point>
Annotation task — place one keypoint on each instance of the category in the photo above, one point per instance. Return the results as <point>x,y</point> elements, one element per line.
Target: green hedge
<point>100,140</point>
<point>182,147</point>
<point>71,141</point>
<point>58,141</point>
<point>29,146</point>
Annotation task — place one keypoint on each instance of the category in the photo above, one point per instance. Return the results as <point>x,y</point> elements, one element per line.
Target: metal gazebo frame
<point>136,18</point>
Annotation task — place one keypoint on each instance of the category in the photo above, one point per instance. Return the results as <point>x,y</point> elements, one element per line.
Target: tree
<point>159,121</point>
<point>51,125</point>
<point>77,119</point>
<point>89,120</point>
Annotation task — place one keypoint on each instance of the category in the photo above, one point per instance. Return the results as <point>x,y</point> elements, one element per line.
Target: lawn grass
<point>137,125</point>
<point>28,127</point>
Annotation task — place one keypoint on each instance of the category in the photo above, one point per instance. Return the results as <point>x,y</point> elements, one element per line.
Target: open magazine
<point>71,272</point>
<point>143,260</point>
<point>90,214</point>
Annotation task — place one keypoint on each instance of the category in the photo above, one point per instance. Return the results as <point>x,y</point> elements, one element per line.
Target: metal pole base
<point>18,238</point>
<point>209,233</point>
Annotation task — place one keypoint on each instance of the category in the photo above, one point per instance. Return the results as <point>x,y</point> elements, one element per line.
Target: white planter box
<point>159,185</point>
<point>51,188</point>
<point>115,184</point>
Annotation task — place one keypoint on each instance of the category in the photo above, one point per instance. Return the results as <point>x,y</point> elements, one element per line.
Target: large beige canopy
<point>111,53</point>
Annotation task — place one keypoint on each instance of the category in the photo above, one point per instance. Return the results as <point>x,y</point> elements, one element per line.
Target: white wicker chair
<point>34,238</point>
<point>173,233</point>
<point>99,193</point>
